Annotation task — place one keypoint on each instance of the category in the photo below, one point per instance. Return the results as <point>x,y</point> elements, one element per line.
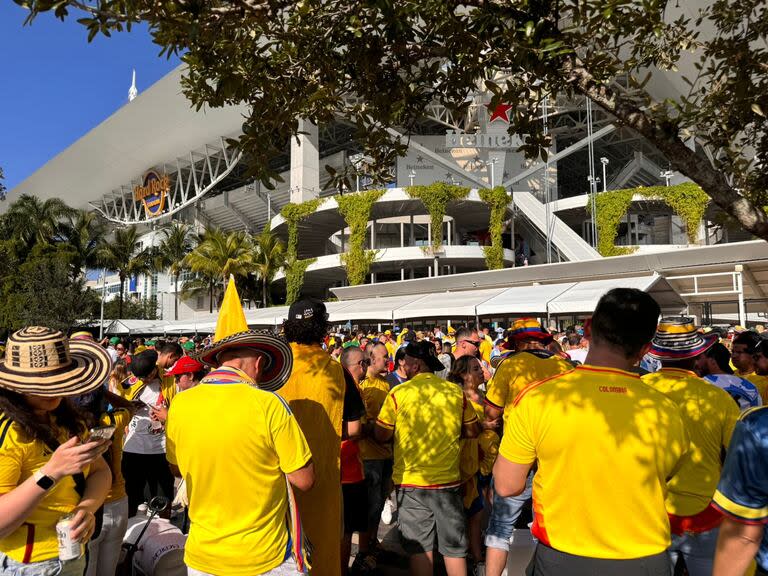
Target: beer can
<point>68,549</point>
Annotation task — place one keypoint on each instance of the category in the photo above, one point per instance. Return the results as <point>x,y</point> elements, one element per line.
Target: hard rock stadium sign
<point>152,192</point>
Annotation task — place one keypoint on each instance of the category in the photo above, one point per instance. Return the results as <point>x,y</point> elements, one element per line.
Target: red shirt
<point>351,463</point>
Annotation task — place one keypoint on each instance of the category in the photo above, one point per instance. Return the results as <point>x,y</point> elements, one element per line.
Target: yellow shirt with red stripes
<point>605,444</point>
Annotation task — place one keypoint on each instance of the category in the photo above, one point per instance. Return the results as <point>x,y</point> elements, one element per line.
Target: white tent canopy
<point>452,304</point>
<point>536,299</point>
<point>583,296</point>
<point>523,299</point>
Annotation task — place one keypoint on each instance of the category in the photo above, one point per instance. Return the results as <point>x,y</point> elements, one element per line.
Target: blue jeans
<point>53,567</point>
<point>698,551</point>
<point>504,514</point>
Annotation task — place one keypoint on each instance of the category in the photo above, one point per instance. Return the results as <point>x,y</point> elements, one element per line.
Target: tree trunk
<point>210,304</point>
<point>683,159</point>
<point>264,290</point>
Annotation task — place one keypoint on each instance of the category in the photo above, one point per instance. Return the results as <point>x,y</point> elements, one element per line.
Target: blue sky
<point>55,86</point>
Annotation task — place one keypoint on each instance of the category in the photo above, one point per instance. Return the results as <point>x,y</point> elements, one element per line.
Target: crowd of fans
<point>629,445</point>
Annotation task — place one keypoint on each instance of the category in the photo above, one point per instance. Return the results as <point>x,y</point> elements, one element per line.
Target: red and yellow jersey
<point>605,444</point>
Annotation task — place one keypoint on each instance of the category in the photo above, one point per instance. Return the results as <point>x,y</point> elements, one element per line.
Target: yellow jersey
<point>605,444</point>
<point>119,419</point>
<point>20,458</point>
<point>426,455</point>
<point>374,391</point>
<point>518,370</point>
<point>709,414</point>
<point>234,444</point>
<point>761,383</point>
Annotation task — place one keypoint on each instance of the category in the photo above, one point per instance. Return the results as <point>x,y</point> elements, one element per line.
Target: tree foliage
<point>177,242</point>
<point>379,64</point>
<point>268,259</point>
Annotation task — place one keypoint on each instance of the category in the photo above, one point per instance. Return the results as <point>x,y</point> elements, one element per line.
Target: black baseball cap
<point>308,309</point>
<point>425,350</point>
<point>719,353</point>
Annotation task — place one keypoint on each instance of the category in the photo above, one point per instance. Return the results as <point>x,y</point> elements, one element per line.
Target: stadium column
<point>305,163</point>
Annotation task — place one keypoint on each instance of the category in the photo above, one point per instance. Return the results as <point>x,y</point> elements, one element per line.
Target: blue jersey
<point>741,390</point>
<point>742,492</point>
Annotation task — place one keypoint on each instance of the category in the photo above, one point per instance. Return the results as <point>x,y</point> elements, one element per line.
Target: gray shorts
<point>550,562</point>
<point>424,514</point>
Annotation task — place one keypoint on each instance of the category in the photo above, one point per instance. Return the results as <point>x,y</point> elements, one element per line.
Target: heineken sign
<point>457,139</point>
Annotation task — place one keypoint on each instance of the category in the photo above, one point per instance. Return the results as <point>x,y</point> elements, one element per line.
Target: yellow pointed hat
<point>231,316</point>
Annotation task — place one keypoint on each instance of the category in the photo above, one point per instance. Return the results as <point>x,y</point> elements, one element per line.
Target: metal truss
<point>191,177</point>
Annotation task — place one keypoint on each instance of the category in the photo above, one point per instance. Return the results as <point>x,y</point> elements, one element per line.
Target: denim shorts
<point>52,567</point>
<point>504,514</point>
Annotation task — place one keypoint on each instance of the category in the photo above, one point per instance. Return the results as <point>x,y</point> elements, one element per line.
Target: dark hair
<point>170,348</point>
<point>719,353</point>
<point>311,331</point>
<point>762,347</point>
<point>409,336</point>
<point>574,339</point>
<point>459,367</point>
<point>750,339</point>
<point>625,319</point>
<point>399,355</point>
<point>14,406</point>
<point>143,364</point>
<point>465,332</point>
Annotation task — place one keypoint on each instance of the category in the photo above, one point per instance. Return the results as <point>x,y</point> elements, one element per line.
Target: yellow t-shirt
<point>605,445</point>
<point>119,419</point>
<point>486,347</point>
<point>710,415</point>
<point>761,383</point>
<point>233,444</point>
<point>391,349</point>
<point>374,391</point>
<point>518,370</point>
<point>469,458</point>
<point>426,455</point>
<point>19,459</point>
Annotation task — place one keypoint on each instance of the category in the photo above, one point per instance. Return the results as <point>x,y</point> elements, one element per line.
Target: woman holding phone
<point>48,467</point>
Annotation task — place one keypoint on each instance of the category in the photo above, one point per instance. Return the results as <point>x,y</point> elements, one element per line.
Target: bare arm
<point>470,430</point>
<point>304,478</point>
<point>737,545</point>
<point>351,430</point>
<point>493,415</point>
<point>509,477</point>
<point>69,458</point>
<point>383,435</point>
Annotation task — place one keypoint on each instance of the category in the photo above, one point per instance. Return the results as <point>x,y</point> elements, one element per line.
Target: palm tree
<point>218,255</point>
<point>36,221</point>
<point>269,257</point>
<point>123,254</point>
<point>176,244</point>
<point>84,233</point>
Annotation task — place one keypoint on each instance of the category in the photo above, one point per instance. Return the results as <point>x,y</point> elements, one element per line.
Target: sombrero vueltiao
<point>43,362</point>
<point>528,328</point>
<point>276,351</point>
<point>677,339</point>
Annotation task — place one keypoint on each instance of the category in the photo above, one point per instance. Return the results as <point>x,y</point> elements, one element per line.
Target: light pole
<point>604,161</point>
<point>493,171</point>
<point>411,176</point>
<point>667,175</point>
<point>103,296</point>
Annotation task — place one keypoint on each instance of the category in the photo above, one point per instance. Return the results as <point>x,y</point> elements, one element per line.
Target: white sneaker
<point>386,514</point>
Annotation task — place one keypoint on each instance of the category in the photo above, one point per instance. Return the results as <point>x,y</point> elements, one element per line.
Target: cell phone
<point>101,433</point>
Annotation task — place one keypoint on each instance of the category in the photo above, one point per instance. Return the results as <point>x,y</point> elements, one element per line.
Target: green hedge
<point>498,200</point>
<point>687,200</point>
<point>436,198</point>
<point>356,210</point>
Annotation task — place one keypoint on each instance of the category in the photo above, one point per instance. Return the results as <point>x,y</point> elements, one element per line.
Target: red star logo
<point>500,111</point>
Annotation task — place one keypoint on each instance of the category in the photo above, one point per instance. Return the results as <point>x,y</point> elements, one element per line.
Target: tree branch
<point>683,159</point>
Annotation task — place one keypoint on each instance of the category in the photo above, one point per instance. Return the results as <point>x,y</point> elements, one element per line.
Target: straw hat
<point>43,362</point>
<point>276,351</point>
<point>677,339</point>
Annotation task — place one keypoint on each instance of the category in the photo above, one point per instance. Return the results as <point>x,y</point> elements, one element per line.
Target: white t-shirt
<point>578,354</point>
<point>143,437</point>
